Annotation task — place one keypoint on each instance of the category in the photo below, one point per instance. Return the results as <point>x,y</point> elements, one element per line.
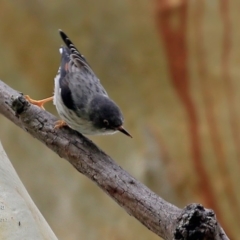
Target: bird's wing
<point>77,80</point>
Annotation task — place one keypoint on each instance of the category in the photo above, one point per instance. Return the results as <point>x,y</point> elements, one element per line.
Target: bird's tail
<point>74,54</point>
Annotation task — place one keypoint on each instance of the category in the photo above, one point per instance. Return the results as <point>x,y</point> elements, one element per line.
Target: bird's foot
<point>60,124</point>
<point>38,103</point>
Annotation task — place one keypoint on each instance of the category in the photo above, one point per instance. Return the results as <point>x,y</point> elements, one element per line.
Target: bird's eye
<point>106,122</point>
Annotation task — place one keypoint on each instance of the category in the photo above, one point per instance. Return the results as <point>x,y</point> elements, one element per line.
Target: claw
<point>60,124</point>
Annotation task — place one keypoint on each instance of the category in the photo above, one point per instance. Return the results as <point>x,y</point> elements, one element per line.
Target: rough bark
<point>161,217</point>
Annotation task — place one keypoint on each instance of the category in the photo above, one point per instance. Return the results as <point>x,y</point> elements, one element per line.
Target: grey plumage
<point>80,99</point>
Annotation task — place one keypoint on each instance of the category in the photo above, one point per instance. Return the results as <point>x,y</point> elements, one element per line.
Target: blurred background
<point>173,68</point>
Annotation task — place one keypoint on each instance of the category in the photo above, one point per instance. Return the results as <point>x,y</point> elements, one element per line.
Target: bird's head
<point>106,115</point>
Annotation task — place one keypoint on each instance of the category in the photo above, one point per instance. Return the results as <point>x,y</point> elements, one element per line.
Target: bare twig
<point>161,217</point>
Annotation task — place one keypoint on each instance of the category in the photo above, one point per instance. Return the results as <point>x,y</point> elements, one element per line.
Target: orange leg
<point>38,103</point>
<point>59,124</point>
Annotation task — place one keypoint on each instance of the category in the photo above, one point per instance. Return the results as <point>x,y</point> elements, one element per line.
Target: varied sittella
<point>81,101</point>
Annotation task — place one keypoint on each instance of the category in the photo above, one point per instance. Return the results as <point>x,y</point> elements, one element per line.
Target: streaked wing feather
<point>76,73</point>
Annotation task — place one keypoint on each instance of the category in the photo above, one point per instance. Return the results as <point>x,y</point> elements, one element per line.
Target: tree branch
<point>161,217</point>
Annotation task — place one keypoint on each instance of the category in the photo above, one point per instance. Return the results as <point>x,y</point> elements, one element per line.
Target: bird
<point>81,101</point>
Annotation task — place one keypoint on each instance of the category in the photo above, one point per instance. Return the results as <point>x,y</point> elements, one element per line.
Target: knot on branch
<point>19,104</point>
<point>196,223</point>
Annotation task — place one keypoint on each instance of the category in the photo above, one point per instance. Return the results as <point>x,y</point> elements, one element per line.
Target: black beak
<point>122,130</point>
